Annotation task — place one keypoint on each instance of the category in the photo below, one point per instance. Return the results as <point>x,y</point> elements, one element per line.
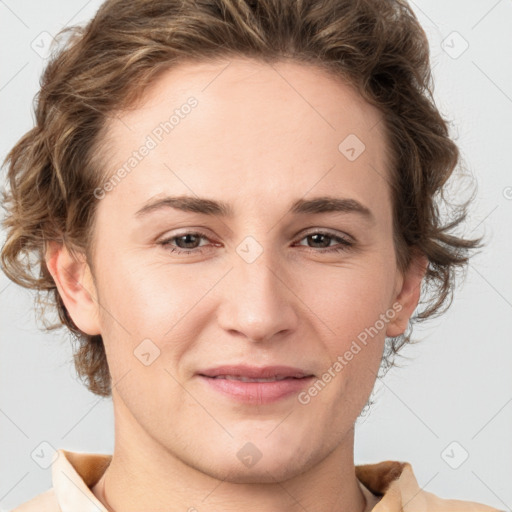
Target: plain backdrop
<point>448,411</point>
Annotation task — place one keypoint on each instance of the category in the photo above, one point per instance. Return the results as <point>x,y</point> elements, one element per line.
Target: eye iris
<point>326,238</point>
<point>187,237</point>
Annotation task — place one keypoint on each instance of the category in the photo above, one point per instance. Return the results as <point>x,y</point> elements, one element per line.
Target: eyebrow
<point>317,205</point>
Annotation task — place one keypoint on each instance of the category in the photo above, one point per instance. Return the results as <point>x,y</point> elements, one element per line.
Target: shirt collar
<point>73,474</point>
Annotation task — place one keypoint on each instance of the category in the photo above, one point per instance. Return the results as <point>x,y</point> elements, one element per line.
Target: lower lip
<point>258,392</point>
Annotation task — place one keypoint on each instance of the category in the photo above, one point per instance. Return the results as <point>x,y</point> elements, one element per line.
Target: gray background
<point>456,386</point>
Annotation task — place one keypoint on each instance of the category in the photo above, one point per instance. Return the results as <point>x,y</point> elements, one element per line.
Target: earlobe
<point>408,294</point>
<point>75,285</point>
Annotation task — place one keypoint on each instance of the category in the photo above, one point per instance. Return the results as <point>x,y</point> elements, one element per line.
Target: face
<point>267,272</point>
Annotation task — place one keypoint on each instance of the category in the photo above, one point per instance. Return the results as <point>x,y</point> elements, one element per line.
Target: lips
<point>251,385</point>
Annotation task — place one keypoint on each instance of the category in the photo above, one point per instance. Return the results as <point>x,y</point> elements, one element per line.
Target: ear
<point>75,284</point>
<point>407,294</point>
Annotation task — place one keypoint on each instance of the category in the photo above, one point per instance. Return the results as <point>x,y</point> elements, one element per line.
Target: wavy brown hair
<point>378,46</point>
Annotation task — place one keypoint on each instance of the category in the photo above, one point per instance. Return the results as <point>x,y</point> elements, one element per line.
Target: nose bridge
<point>259,277</point>
<point>258,303</point>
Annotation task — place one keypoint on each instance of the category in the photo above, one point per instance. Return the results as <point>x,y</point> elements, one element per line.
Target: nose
<point>257,302</point>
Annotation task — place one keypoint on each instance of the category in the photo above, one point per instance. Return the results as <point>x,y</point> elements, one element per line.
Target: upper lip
<point>254,372</point>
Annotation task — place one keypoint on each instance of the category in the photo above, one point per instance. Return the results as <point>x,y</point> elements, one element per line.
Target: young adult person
<point>234,205</point>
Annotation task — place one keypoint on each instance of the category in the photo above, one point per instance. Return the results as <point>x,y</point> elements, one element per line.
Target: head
<point>312,135</point>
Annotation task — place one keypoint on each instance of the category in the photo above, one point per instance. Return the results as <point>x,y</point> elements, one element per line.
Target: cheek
<point>349,298</point>
<point>354,308</point>
<point>357,322</point>
<point>162,303</point>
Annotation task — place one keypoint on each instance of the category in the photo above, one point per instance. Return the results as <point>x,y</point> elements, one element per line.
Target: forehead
<point>255,129</point>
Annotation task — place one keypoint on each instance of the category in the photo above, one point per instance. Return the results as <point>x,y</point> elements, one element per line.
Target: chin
<point>263,472</point>
<point>260,461</point>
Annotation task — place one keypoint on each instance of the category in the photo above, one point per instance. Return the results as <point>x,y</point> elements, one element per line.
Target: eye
<point>324,238</point>
<point>187,243</point>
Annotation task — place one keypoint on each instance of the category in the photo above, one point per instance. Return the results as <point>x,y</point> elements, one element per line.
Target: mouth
<point>256,374</point>
<point>248,379</point>
<point>278,384</point>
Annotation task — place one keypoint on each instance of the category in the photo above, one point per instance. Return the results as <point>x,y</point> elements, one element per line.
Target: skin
<point>260,138</point>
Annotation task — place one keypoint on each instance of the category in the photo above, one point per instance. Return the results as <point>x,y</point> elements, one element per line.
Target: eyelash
<point>345,243</point>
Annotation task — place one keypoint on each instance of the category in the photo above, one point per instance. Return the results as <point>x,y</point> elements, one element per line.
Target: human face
<point>254,288</point>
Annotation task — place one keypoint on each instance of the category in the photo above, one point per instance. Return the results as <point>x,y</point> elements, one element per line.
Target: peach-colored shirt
<point>388,486</point>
